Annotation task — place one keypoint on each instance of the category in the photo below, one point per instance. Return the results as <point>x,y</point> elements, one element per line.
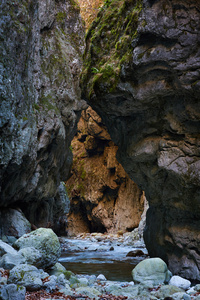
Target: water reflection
<point>82,258</point>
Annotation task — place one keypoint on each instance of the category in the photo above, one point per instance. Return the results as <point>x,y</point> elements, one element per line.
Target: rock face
<point>13,223</point>
<point>41,47</point>
<point>145,85</point>
<point>102,196</point>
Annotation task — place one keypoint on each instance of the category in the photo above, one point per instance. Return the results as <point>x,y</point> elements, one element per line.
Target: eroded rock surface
<point>102,196</point>
<point>142,76</point>
<point>40,60</point>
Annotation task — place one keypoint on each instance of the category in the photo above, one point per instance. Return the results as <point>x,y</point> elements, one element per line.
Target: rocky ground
<point>33,272</point>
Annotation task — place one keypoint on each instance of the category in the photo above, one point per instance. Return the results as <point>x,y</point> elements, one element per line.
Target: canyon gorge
<point>141,78</point>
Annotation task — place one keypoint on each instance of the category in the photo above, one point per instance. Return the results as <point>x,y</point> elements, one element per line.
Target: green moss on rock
<point>109,45</point>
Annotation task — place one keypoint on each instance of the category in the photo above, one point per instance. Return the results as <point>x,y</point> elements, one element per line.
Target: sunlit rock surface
<point>142,76</point>
<point>102,196</point>
<point>40,60</point>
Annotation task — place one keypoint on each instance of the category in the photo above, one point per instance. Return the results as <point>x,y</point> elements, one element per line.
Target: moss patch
<point>109,46</point>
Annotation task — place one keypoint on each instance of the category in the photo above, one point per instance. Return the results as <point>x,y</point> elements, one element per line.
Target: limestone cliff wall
<point>102,196</point>
<point>40,60</point>
<point>142,75</point>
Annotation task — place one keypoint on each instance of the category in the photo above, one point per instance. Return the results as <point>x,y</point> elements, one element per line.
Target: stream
<point>104,257</point>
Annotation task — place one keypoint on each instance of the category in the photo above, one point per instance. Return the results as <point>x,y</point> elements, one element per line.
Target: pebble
<point>101,277</point>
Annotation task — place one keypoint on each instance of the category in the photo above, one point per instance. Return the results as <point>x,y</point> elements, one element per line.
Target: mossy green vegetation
<point>74,4</point>
<point>109,46</point>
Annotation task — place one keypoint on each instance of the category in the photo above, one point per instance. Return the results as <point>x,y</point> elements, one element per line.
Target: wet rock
<point>135,253</point>
<point>148,100</point>
<point>12,292</point>
<point>151,271</point>
<point>46,242</point>
<point>40,103</point>
<point>57,269</point>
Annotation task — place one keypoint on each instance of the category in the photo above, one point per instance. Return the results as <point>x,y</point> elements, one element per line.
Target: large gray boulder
<point>151,271</point>
<point>141,74</point>
<point>41,55</point>
<point>46,242</point>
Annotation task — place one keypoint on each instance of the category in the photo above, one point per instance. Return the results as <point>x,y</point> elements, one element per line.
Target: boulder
<point>57,270</point>
<point>12,292</point>
<point>31,256</point>
<point>46,242</point>
<point>135,253</point>
<point>180,282</point>
<point>13,223</point>
<point>101,277</point>
<point>8,261</point>
<point>51,284</point>
<point>28,276</point>
<point>151,271</point>
<point>55,282</point>
<point>141,74</point>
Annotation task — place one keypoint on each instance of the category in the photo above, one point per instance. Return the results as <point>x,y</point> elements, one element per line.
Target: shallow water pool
<point>84,257</point>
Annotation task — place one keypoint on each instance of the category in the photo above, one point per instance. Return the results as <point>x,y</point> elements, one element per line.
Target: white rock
<point>180,282</point>
<point>101,277</point>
